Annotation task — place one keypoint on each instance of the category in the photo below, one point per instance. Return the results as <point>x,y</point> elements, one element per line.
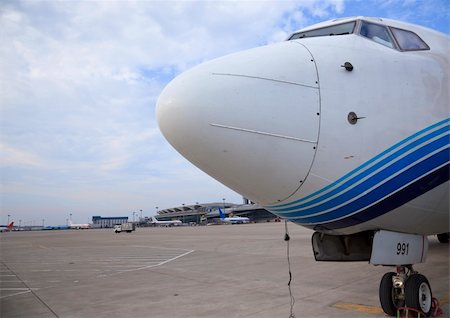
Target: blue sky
<point>79,83</point>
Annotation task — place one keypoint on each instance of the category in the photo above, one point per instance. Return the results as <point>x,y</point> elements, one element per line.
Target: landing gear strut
<point>406,288</point>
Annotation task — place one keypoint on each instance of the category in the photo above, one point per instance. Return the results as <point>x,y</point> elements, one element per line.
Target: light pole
<point>20,224</point>
<point>223,205</point>
<point>43,220</point>
<point>141,214</point>
<point>8,218</point>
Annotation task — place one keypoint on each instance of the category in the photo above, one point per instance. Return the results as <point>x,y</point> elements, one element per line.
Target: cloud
<point>79,84</point>
<point>17,157</point>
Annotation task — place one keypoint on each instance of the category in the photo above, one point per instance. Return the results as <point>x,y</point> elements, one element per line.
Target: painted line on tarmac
<point>161,248</point>
<point>12,281</point>
<point>377,310</point>
<point>136,265</point>
<point>15,294</point>
<point>159,264</point>
<point>24,290</point>
<point>359,308</point>
<point>445,300</point>
<point>152,265</point>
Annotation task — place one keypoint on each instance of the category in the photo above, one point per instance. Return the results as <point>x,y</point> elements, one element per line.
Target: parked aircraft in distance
<point>79,226</point>
<point>6,228</point>
<point>154,221</point>
<point>56,227</point>
<point>342,128</point>
<point>233,219</point>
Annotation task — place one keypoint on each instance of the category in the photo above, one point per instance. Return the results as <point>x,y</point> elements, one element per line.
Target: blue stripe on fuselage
<point>410,159</point>
<point>284,206</point>
<point>390,203</point>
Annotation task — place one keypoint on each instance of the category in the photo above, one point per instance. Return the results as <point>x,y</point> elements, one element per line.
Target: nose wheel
<point>406,288</point>
<point>391,298</point>
<point>418,293</point>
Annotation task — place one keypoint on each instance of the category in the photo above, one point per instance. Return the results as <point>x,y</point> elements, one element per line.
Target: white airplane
<point>79,226</point>
<point>342,128</point>
<point>154,221</point>
<point>7,228</point>
<point>233,219</point>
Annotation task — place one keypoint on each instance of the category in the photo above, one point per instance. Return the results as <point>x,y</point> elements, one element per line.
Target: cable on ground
<point>292,299</point>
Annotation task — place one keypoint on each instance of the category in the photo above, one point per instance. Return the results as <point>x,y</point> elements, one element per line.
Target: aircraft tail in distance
<point>232,219</point>
<point>6,228</point>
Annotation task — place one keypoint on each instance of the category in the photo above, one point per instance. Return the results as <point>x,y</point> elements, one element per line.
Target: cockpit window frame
<point>357,24</point>
<point>396,45</point>
<point>391,36</point>
<point>296,37</point>
<point>400,48</point>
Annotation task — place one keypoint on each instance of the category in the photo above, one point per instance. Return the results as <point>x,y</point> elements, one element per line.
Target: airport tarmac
<point>208,271</point>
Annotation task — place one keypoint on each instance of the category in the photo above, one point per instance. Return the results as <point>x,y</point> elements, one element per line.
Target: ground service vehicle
<point>125,227</point>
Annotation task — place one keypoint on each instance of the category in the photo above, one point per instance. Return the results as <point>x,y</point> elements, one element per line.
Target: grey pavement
<point>201,271</point>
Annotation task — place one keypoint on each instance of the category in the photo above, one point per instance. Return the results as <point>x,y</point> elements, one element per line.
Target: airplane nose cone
<point>250,119</point>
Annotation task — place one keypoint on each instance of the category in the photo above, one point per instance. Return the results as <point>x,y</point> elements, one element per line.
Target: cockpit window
<point>377,33</point>
<point>409,41</point>
<point>395,38</point>
<point>339,29</point>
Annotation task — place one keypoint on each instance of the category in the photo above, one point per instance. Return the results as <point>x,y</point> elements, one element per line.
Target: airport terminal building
<point>201,213</point>
<point>108,222</point>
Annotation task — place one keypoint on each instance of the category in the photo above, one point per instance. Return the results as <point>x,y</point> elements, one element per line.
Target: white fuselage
<point>272,123</point>
<point>154,221</point>
<point>235,220</point>
<point>79,226</point>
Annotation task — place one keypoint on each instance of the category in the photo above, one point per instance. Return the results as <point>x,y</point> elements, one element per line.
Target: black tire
<point>389,295</point>
<point>443,237</point>
<point>418,294</point>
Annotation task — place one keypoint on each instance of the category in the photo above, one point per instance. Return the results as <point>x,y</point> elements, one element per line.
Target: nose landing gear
<point>405,289</point>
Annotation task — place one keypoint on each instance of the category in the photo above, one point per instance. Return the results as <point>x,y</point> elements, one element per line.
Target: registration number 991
<point>394,248</point>
<point>402,248</point>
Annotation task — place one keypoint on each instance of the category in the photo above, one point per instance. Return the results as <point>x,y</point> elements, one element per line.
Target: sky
<point>79,81</point>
